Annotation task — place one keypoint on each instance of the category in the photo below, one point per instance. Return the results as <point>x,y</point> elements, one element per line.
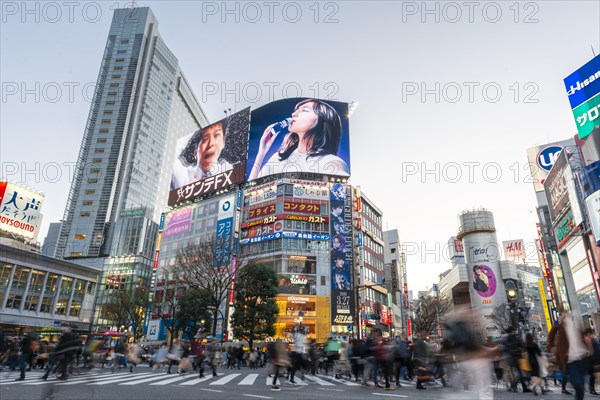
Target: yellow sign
<point>544,305</point>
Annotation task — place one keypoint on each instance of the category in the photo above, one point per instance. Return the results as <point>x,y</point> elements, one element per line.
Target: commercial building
<point>375,304</point>
<point>141,106</point>
<point>40,293</point>
<point>396,281</point>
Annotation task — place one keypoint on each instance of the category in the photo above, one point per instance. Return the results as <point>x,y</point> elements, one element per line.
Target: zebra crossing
<point>160,378</point>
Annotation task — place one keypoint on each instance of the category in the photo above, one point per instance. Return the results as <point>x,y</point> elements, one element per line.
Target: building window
<point>78,254</point>
<point>120,60</point>
<point>106,122</point>
<point>87,202</point>
<point>80,236</point>
<point>92,180</point>
<point>121,51</point>
<point>114,85</point>
<point>111,94</point>
<point>99,151</point>
<point>124,41</point>
<point>103,130</point>
<point>95,170</point>
<point>108,112</point>
<point>118,68</point>
<point>85,214</point>
<point>89,191</point>
<point>110,103</point>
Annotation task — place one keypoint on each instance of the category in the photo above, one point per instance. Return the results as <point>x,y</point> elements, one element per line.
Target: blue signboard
<point>584,83</point>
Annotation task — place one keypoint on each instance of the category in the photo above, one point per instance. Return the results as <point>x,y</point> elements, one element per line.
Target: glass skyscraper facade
<point>141,106</point>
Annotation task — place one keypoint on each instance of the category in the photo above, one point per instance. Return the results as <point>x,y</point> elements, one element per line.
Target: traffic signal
<point>511,290</point>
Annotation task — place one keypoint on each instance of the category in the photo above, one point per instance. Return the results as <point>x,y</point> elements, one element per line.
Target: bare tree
<point>208,266</point>
<point>128,308</point>
<point>165,304</point>
<point>428,313</point>
<point>502,317</point>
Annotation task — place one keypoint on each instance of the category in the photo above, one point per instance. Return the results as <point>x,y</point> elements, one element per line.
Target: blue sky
<point>507,61</point>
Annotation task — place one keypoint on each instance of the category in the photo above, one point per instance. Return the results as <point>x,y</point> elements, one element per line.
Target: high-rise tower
<point>142,104</point>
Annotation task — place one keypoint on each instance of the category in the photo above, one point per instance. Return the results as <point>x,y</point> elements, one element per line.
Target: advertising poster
<point>178,222</point>
<point>299,135</point>
<point>342,279</point>
<point>20,210</point>
<point>483,266</point>
<point>212,158</point>
<point>222,252</point>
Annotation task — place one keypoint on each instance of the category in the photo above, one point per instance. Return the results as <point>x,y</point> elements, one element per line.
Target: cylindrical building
<point>482,256</point>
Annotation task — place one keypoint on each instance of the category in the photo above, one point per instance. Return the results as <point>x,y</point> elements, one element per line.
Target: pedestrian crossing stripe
<point>225,379</point>
<point>249,379</point>
<point>102,378</point>
<point>161,379</point>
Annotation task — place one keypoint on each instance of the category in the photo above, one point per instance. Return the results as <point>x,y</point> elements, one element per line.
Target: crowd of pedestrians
<point>460,359</point>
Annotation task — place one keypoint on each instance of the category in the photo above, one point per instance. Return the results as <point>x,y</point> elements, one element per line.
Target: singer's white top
<point>297,162</point>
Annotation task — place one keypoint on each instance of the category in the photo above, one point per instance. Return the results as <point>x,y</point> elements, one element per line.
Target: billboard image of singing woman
<point>299,135</point>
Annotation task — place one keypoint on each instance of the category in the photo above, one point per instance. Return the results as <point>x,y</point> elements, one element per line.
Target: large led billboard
<point>212,158</point>
<point>20,210</point>
<point>299,135</point>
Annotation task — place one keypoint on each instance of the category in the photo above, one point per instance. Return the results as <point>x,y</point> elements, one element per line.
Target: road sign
<point>350,328</point>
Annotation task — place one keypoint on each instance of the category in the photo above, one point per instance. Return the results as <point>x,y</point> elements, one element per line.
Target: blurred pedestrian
<point>278,354</point>
<point>29,345</point>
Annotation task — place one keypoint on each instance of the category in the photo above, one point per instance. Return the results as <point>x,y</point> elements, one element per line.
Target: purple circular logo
<point>484,280</point>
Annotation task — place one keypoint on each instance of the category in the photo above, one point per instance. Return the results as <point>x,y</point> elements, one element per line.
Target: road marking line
<point>43,382</point>
<point>257,396</point>
<point>319,380</point>
<point>119,377</point>
<point>249,379</point>
<point>342,381</point>
<point>225,379</point>
<point>167,381</point>
<point>212,390</point>
<point>195,381</point>
<point>332,390</point>
<point>118,380</point>
<point>389,395</point>
<point>150,379</point>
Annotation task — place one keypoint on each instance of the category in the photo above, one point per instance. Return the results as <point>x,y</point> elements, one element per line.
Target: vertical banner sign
<point>222,252</point>
<point>545,305</point>
<point>342,283</point>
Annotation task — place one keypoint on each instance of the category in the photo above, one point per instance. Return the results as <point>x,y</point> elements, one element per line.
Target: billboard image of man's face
<point>212,158</point>
<point>299,135</point>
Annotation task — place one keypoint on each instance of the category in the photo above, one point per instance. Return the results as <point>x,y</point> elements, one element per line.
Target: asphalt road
<point>146,384</point>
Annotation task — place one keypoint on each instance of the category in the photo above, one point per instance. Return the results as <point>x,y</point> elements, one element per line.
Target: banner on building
<point>20,210</point>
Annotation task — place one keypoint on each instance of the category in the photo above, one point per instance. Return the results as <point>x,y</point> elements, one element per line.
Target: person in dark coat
<point>29,345</point>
